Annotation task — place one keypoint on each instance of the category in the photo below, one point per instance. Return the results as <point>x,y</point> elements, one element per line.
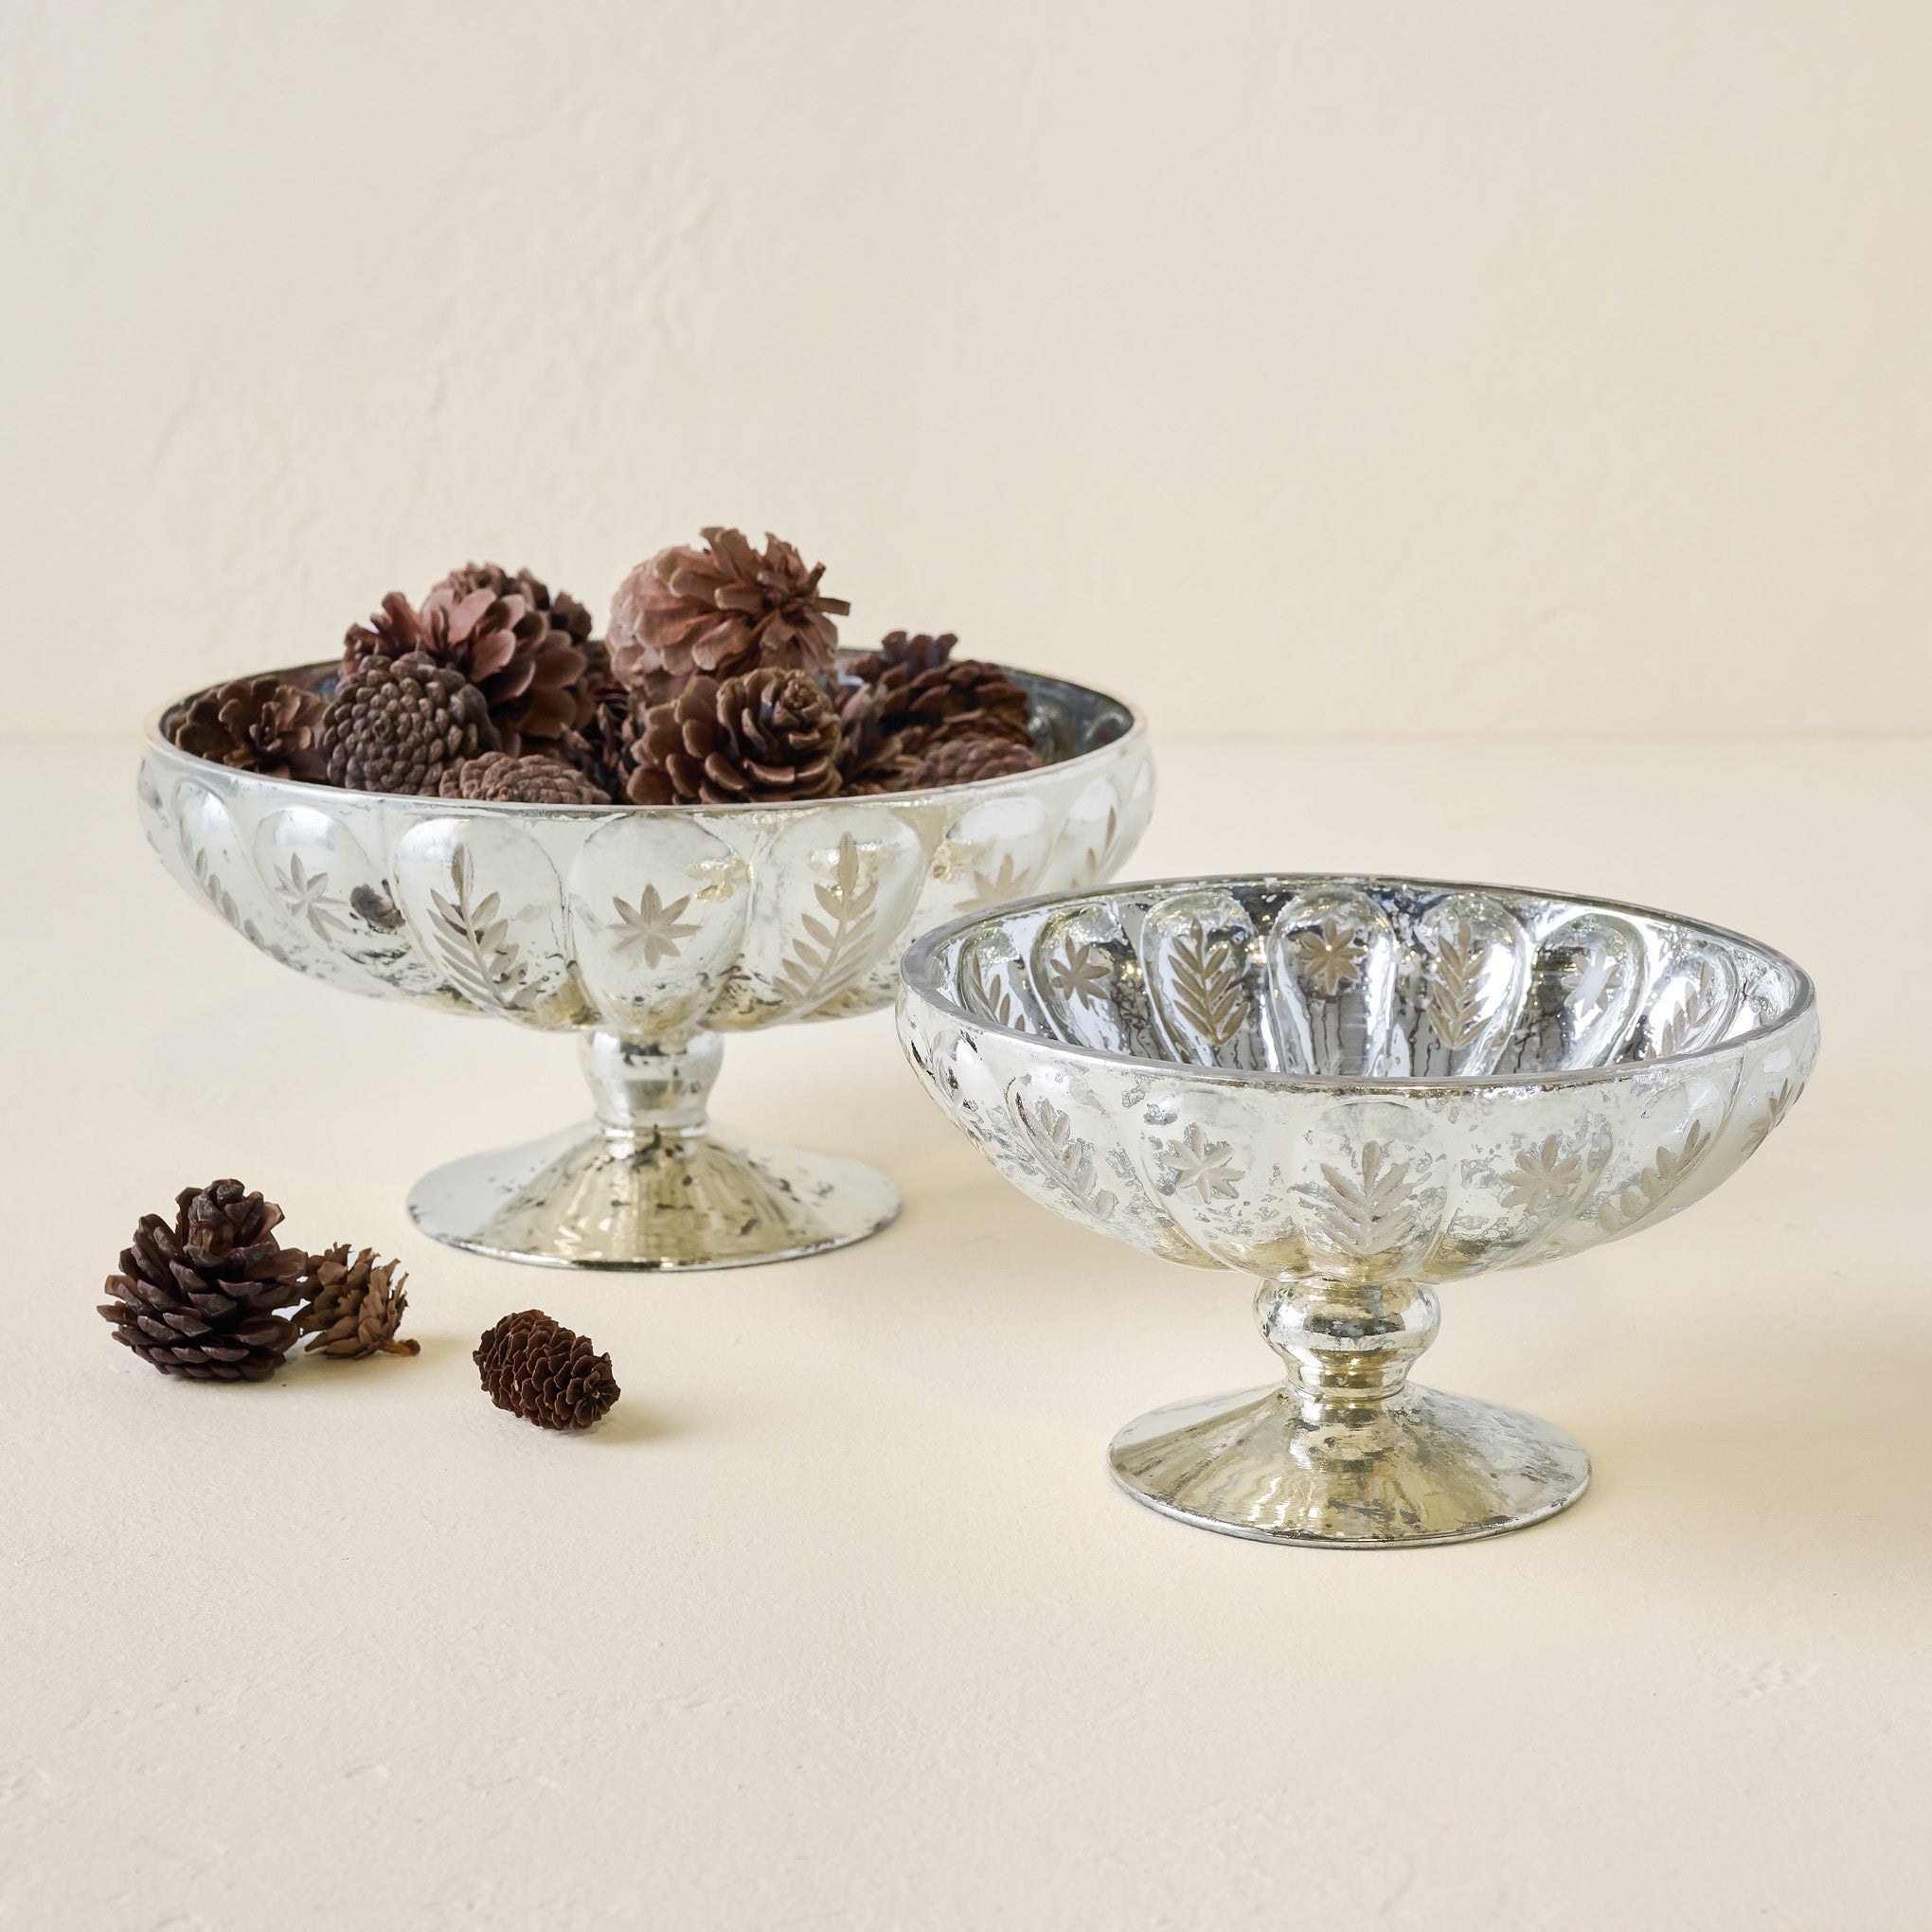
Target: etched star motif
<point>1543,1176</point>
<point>1330,956</point>
<point>653,925</point>
<point>306,896</point>
<point>1203,1165</point>
<point>1079,971</point>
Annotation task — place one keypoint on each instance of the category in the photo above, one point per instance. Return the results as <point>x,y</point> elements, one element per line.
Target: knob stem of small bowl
<point>1348,1345</point>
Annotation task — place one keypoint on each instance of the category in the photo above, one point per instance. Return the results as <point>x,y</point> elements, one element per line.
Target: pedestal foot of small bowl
<point>586,1198</point>
<point>1420,1468</point>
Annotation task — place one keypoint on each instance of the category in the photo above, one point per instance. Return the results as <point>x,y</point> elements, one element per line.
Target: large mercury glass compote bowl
<point>1356,1089</point>
<point>649,932</point>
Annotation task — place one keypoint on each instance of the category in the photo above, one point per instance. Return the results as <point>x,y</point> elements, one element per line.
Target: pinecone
<point>518,653</point>
<point>600,748</point>
<point>255,724</point>
<point>396,723</point>
<point>199,1299</point>
<point>913,691</point>
<point>876,750</point>
<point>771,735</point>
<point>966,761</point>
<point>911,653</point>
<point>536,1368</point>
<point>526,781</point>
<point>356,1307</point>
<point>719,612</point>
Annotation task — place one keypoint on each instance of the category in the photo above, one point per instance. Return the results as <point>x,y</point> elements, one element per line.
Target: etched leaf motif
<point>653,925</point>
<point>1100,862</point>
<point>1203,1165</point>
<point>1079,970</point>
<point>484,963</point>
<point>1455,997</point>
<point>1543,1177</point>
<point>1700,1006</point>
<point>209,883</point>
<point>1331,955</point>
<point>305,895</point>
<point>991,995</point>
<point>1207,985</point>
<point>828,950</point>
<point>1657,1181</point>
<point>1068,1160</point>
<point>1780,1104</point>
<point>1373,1211</point>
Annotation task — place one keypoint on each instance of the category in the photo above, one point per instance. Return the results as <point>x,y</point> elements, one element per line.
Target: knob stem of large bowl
<point>1348,1346</point>
<point>649,1090</point>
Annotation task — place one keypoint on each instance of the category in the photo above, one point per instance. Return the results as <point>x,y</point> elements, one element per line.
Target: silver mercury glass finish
<point>1354,1089</point>
<point>650,932</point>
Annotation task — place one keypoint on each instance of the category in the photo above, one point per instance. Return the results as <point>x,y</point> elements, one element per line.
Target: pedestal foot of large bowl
<point>588,1199</point>
<point>1345,1455</point>
<point>650,1183</point>
<point>1421,1468</point>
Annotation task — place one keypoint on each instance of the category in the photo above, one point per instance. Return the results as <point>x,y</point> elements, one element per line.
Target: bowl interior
<point>1360,979</point>
<point>1067,720</point>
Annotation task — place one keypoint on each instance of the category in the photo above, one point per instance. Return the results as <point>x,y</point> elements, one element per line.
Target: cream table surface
<point>837,1621</point>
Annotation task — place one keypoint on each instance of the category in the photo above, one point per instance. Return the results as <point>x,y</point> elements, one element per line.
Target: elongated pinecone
<point>518,653</point>
<point>966,761</point>
<point>717,612</point>
<point>200,1299</point>
<point>354,1307</point>
<point>395,724</point>
<point>255,724</point>
<point>526,781</point>
<point>771,735</point>
<point>536,1368</point>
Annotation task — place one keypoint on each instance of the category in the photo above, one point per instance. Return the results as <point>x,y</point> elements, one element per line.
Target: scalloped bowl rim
<point>436,807</point>
<point>915,962</point>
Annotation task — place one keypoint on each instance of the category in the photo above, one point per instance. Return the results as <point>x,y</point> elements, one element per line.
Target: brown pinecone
<point>396,723</point>
<point>255,724</point>
<point>719,612</point>
<point>536,1368</point>
<point>354,1308</point>
<point>599,747</point>
<point>966,761</point>
<point>531,779</point>
<point>200,1299</point>
<point>910,652</point>
<point>518,653</point>
<point>876,750</point>
<point>914,691</point>
<point>771,735</point>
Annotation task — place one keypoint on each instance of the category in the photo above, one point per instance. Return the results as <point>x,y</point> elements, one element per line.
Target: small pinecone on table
<point>536,1368</point>
<point>769,736</point>
<point>395,724</point>
<point>200,1299</point>
<point>531,779</point>
<point>524,655</point>
<point>354,1307</point>
<point>717,612</point>
<point>255,724</point>
<point>966,761</point>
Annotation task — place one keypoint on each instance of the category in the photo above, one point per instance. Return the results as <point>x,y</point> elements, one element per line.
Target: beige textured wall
<point>1305,369</point>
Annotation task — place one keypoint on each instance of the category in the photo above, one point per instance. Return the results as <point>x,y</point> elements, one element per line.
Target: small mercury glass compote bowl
<point>1354,1089</point>
<point>648,932</point>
